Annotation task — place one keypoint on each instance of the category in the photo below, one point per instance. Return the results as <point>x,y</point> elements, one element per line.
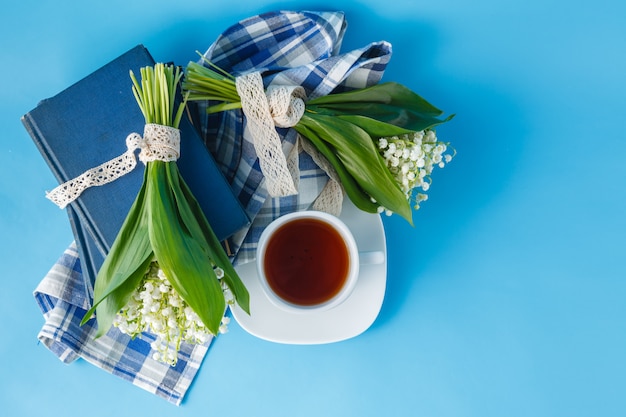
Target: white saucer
<point>351,318</point>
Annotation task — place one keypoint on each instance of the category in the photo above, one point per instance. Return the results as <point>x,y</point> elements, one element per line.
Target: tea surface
<point>306,262</point>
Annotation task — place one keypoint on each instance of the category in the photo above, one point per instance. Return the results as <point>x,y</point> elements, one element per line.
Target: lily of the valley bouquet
<point>377,143</point>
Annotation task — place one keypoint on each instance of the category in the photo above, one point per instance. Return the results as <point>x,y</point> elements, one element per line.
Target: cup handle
<point>371,257</point>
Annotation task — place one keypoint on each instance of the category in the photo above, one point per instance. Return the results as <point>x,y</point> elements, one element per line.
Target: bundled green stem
<point>344,127</point>
<point>166,224</point>
<point>211,84</point>
<point>156,94</point>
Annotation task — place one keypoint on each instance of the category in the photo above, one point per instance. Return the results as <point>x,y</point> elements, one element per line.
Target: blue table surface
<point>507,297</point>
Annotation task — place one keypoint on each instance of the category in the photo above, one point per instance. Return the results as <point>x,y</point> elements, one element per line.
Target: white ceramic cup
<point>302,274</point>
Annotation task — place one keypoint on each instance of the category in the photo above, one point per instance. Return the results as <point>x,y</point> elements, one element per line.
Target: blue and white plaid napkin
<point>61,297</point>
<point>289,48</point>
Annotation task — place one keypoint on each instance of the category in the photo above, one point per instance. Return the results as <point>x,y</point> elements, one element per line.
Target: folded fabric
<point>289,48</point>
<point>61,297</point>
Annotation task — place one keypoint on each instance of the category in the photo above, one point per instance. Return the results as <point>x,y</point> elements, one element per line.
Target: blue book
<point>86,125</point>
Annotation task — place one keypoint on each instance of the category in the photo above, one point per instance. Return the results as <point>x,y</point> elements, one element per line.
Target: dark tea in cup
<point>307,260</point>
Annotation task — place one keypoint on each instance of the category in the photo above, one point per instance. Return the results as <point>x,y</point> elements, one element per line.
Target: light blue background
<point>507,298</point>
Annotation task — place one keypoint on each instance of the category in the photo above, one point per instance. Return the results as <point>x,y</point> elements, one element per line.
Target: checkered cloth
<point>61,297</point>
<point>289,48</point>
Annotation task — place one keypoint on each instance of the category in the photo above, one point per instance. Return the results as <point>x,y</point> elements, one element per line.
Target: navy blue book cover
<point>87,124</point>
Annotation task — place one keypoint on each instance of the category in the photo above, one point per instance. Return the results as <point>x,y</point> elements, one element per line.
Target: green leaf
<point>199,226</point>
<point>356,150</point>
<point>384,113</point>
<point>390,93</point>
<point>109,307</point>
<point>375,128</point>
<point>181,257</point>
<point>124,266</point>
<point>349,184</point>
<point>390,103</point>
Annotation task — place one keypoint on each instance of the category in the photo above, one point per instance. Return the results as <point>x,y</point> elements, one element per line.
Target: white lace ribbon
<point>159,143</point>
<point>281,106</point>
